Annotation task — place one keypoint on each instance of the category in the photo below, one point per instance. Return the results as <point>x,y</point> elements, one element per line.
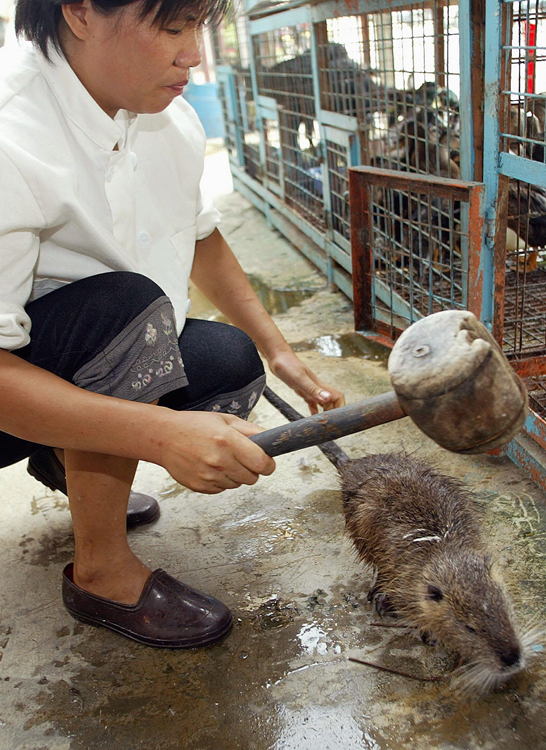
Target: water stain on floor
<point>345,345</point>
<point>282,681</point>
<point>274,299</point>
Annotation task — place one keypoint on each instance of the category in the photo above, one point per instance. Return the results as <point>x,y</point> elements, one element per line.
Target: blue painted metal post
<point>493,24</point>
<point>467,136</point>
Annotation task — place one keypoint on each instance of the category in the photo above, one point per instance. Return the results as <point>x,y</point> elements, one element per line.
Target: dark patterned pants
<point>115,334</point>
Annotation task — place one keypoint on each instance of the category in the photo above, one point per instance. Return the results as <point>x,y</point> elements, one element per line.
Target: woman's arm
<point>203,451</point>
<point>217,273</point>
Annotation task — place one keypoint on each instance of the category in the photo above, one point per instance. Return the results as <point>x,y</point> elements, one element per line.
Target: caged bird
<point>527,222</point>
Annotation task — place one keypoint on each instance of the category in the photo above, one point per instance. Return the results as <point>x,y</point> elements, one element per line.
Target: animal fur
<point>420,531</point>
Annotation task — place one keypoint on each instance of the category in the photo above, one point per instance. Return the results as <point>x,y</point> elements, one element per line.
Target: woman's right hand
<point>209,452</point>
<point>205,451</point>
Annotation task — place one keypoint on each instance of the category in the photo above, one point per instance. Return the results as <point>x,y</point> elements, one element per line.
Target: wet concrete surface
<point>276,553</point>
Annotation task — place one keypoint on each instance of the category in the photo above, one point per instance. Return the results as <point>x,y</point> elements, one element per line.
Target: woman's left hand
<point>291,370</point>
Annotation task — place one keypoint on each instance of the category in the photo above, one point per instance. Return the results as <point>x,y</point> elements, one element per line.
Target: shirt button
<point>134,159</point>
<point>110,174</point>
<point>144,239</point>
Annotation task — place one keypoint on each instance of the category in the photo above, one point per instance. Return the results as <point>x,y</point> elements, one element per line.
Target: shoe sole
<point>195,643</point>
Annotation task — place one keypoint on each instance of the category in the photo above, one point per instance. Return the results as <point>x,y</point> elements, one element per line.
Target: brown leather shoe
<point>44,466</point>
<point>168,614</point>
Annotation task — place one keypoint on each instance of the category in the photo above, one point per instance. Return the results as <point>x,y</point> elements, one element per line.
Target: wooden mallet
<point>449,375</point>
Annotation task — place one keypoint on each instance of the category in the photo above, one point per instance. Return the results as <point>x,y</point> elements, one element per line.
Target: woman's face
<point>125,62</point>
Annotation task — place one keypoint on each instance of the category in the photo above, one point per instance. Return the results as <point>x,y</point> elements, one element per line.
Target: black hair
<point>38,20</point>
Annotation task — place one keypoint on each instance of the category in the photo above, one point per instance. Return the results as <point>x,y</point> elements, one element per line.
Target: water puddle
<point>279,300</point>
<point>345,345</point>
<point>275,300</point>
<point>274,614</point>
<point>316,727</point>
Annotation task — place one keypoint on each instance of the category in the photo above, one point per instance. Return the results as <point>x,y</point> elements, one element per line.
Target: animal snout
<point>510,657</point>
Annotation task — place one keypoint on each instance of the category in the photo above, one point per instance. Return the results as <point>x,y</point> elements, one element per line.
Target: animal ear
<point>434,593</point>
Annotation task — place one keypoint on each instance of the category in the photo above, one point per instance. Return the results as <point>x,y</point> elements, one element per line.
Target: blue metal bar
<point>527,170</point>
<point>292,17</point>
<point>465,98</point>
<point>336,120</point>
<point>339,8</point>
<point>492,76</point>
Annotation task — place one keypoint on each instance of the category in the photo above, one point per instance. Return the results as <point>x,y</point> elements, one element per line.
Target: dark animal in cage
<point>430,104</point>
<point>526,128</point>
<point>428,152</point>
<point>434,235</point>
<point>422,233</point>
<point>527,220</point>
<point>537,107</point>
<point>537,132</point>
<point>290,83</point>
<point>423,133</point>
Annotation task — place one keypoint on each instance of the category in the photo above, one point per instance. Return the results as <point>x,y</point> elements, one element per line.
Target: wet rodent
<point>420,530</point>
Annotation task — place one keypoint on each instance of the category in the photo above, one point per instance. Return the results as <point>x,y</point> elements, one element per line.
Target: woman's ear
<point>76,16</point>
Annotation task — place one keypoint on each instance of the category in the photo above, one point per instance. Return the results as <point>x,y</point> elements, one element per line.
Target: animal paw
<point>381,601</point>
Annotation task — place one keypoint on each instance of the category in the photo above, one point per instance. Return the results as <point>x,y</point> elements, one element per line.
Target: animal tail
<point>331,450</point>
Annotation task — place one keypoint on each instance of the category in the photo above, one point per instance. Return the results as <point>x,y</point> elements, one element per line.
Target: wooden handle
<point>330,425</point>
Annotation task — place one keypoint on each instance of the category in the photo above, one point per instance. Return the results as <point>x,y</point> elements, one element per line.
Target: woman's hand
<point>205,451</point>
<point>209,452</point>
<point>217,273</point>
<point>291,370</point>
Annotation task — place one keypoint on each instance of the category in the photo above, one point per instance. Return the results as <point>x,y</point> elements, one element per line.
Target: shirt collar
<point>78,105</point>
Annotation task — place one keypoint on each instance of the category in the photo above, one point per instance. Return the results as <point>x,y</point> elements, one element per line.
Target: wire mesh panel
<point>302,170</point>
<point>284,73</point>
<point>337,163</point>
<point>410,250</point>
<point>230,124</point>
<point>525,313</point>
<point>230,38</point>
<point>523,98</point>
<point>231,50</point>
<point>536,388</point>
<point>524,322</point>
<point>249,125</point>
<point>398,73</point>
<point>522,140</point>
<point>271,134</point>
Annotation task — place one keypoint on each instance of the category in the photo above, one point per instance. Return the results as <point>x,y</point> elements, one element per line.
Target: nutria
<point>420,531</point>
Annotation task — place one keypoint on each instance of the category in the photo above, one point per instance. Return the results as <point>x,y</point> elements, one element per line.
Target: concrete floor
<point>277,555</point>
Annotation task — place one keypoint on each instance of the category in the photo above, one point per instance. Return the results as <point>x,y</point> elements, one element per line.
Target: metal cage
<point>522,145</point>
<point>411,255</point>
<point>401,147</point>
<point>332,88</point>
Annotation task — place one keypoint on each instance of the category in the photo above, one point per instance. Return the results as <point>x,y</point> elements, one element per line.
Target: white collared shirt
<point>71,206</point>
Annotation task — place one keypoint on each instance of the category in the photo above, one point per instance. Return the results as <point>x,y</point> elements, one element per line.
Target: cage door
<point>416,243</point>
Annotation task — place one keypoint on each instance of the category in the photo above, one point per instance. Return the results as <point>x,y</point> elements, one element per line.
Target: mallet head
<point>453,380</point>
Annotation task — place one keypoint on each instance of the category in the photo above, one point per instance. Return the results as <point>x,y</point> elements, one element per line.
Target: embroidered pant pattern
<point>115,334</point>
